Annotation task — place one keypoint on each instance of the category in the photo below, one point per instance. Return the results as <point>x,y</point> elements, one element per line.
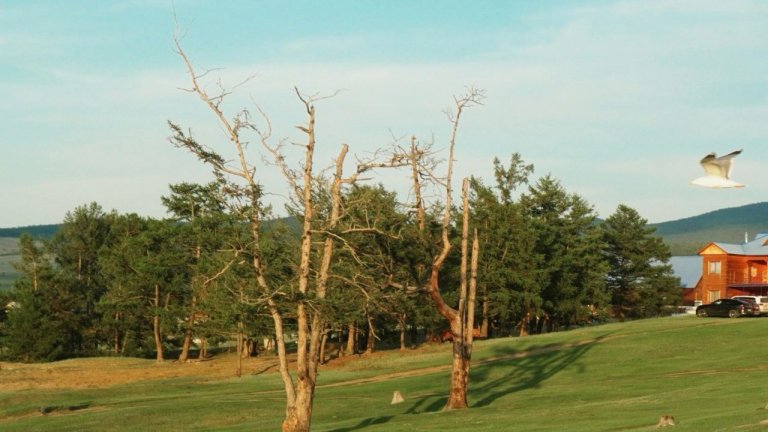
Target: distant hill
<point>37,231</point>
<point>9,253</point>
<point>687,236</point>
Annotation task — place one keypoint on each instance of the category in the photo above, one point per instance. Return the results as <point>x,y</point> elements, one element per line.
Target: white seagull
<point>718,171</point>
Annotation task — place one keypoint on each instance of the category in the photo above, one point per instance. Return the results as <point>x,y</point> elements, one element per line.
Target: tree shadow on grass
<point>364,423</point>
<point>431,403</point>
<point>526,371</point>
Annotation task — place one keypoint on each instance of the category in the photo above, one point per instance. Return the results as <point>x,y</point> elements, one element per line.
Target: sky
<point>616,99</point>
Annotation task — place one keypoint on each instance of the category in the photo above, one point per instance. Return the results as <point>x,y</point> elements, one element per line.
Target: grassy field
<point>710,374</point>
<point>9,252</point>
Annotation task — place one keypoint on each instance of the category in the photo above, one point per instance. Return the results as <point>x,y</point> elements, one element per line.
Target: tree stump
<point>666,420</point>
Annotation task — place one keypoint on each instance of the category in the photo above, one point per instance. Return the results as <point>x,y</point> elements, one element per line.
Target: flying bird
<point>718,171</point>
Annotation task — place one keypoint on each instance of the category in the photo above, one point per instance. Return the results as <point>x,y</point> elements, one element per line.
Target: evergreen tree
<point>640,278</point>
<point>568,240</point>
<point>509,288</point>
<point>40,324</point>
<point>75,249</point>
<point>124,305</point>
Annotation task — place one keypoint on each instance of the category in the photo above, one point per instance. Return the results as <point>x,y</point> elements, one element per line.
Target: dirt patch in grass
<point>101,372</point>
<point>105,371</point>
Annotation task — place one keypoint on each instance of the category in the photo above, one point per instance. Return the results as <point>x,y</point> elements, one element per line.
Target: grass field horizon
<point>710,374</point>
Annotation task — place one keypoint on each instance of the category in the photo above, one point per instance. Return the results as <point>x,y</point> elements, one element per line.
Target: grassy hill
<point>616,377</point>
<point>686,236</point>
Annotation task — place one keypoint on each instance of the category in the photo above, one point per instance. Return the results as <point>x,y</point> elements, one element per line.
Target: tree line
<point>122,284</point>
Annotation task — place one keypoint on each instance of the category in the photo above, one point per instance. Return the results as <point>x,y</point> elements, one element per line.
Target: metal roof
<point>758,246</point>
<point>687,268</point>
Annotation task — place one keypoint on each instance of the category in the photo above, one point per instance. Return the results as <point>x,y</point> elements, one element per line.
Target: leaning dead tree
<point>461,318</point>
<point>318,237</point>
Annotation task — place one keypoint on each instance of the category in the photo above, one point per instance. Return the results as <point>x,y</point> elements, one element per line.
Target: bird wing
<point>719,166</point>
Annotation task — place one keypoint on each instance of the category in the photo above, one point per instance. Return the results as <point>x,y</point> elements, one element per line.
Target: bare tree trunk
<point>457,318</point>
<point>401,323</point>
<point>186,344</point>
<point>524,324</point>
<point>125,343</point>
<point>184,355</point>
<point>371,341</point>
<point>323,342</point>
<point>351,338</point>
<point>117,335</point>
<point>484,324</point>
<point>240,348</point>
<point>203,354</point>
<point>156,325</point>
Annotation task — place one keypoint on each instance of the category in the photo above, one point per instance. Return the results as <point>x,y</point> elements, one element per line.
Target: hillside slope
<point>730,225</point>
<point>614,377</point>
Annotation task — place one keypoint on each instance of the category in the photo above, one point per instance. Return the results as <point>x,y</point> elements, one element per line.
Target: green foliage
<point>509,268</point>
<point>568,241</point>
<point>639,278</point>
<point>41,313</point>
<point>37,329</point>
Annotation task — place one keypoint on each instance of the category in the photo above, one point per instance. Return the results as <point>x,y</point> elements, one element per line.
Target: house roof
<point>687,268</point>
<point>758,246</point>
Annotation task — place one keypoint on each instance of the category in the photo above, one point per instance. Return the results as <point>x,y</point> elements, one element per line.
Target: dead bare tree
<point>461,318</point>
<point>312,276</point>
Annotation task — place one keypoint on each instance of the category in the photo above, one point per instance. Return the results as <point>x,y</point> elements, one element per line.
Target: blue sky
<point>616,99</point>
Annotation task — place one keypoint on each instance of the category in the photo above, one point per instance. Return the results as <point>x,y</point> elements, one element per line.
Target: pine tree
<point>640,278</point>
<point>508,277</point>
<point>568,240</point>
<point>40,324</point>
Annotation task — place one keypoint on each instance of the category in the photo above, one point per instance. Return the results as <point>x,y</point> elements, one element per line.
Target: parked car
<point>761,301</point>
<point>731,308</point>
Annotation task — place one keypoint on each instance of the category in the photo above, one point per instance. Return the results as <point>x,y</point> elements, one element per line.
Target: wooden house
<point>733,269</point>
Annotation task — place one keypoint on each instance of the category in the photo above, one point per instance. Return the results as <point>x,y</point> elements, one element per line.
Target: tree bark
<point>156,325</point>
<point>484,324</point>
<point>351,338</point>
<point>117,335</point>
<point>323,342</point>
<point>371,341</point>
<point>184,355</point>
<point>240,348</point>
<point>401,323</point>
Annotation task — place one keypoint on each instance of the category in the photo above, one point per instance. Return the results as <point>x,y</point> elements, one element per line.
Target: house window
<point>753,271</point>
<point>714,267</point>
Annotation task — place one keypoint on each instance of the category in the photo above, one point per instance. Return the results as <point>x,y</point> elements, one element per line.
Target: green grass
<point>710,374</point>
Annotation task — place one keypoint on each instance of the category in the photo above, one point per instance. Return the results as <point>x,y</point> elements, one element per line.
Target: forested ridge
<point>39,231</point>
